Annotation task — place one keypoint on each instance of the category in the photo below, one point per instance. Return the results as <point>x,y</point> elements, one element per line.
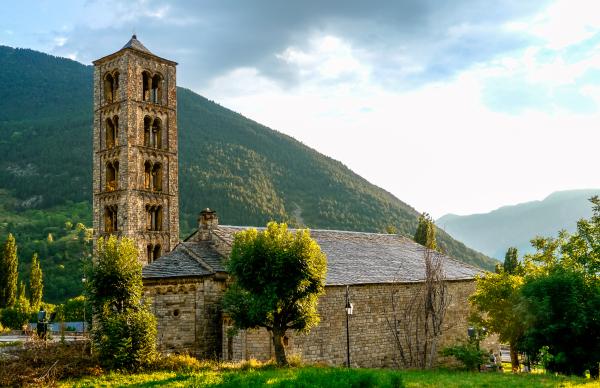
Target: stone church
<point>135,194</point>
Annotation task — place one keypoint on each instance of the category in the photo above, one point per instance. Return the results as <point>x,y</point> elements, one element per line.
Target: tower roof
<point>135,44</point>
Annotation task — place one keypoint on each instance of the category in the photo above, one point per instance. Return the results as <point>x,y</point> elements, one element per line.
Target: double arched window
<point>110,219</point>
<point>153,252</point>
<point>153,176</point>
<point>152,87</point>
<point>153,217</point>
<point>111,86</point>
<point>112,175</point>
<point>112,132</point>
<point>152,132</point>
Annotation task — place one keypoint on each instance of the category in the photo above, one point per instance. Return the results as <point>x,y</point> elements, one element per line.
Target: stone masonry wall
<point>188,315</point>
<point>371,340</point>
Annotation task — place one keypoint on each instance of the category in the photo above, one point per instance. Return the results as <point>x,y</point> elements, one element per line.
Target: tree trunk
<point>279,347</point>
<point>514,358</point>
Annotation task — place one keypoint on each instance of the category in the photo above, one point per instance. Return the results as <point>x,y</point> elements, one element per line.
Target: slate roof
<point>188,259</point>
<point>352,258</point>
<point>370,258</point>
<point>135,44</point>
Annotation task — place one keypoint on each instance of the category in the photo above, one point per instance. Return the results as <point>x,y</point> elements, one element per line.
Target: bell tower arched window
<point>153,252</point>
<point>146,85</point>
<point>156,136</point>
<point>112,132</point>
<point>111,87</point>
<point>157,177</point>
<point>112,176</point>
<point>153,176</point>
<point>153,218</point>
<point>156,95</point>
<point>110,219</point>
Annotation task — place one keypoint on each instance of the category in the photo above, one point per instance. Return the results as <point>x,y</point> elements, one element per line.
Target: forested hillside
<point>247,172</point>
<point>494,232</point>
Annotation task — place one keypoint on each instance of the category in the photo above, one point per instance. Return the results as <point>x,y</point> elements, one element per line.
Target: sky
<point>452,106</point>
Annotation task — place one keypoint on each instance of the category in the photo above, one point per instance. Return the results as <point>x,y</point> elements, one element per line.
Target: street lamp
<point>349,309</point>
<point>83,280</point>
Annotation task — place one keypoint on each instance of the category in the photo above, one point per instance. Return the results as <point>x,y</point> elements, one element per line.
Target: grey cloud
<point>211,38</point>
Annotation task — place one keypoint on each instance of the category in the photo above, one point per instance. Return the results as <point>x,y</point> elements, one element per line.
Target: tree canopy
<point>125,330</point>
<point>425,233</point>
<point>278,277</point>
<point>549,304</point>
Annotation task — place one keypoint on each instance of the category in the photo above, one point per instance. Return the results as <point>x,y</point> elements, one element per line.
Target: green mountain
<point>247,172</point>
<point>494,232</point>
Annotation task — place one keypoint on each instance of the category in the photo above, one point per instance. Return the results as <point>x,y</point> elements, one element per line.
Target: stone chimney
<point>207,221</point>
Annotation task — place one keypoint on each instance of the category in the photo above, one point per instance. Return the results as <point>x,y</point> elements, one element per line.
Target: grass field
<point>326,377</point>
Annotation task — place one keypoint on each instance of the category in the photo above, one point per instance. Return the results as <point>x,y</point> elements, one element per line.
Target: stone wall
<point>188,315</point>
<point>371,339</point>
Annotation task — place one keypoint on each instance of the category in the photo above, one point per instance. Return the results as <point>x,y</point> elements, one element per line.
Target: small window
<point>156,93</point>
<point>112,176</point>
<point>153,218</point>
<point>110,219</point>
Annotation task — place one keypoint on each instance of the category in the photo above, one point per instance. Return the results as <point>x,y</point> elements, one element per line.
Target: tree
<point>125,331</point>
<point>278,277</point>
<point>425,234</point>
<point>497,301</point>
<point>8,272</point>
<point>36,285</point>
<point>511,261</point>
<point>562,308</point>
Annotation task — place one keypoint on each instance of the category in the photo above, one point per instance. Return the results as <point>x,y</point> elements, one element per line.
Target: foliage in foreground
<point>254,374</point>
<point>278,278</point>
<point>125,332</point>
<point>548,306</point>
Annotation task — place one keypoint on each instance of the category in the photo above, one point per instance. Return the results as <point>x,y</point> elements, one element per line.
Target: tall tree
<point>125,330</point>
<point>497,301</point>
<point>278,277</point>
<point>511,260</point>
<point>36,283</point>
<point>8,272</point>
<point>425,234</point>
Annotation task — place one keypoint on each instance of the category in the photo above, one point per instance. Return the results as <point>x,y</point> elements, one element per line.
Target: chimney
<point>207,221</point>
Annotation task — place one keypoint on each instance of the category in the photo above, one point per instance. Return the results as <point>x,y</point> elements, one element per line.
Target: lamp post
<point>83,280</point>
<point>349,308</point>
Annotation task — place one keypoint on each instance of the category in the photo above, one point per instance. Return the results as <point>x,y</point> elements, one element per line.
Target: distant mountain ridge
<point>248,173</point>
<point>515,225</point>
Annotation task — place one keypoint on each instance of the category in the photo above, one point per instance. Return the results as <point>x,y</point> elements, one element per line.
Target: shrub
<point>127,340</point>
<point>183,363</point>
<point>15,317</point>
<point>467,354</point>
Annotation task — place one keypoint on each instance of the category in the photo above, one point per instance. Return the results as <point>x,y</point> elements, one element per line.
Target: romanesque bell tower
<point>135,149</point>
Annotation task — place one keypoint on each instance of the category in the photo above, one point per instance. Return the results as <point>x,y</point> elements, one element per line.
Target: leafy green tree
<point>278,278</point>
<point>36,285</point>
<point>425,234</point>
<point>562,295</point>
<point>8,272</point>
<point>562,308</point>
<point>511,261</point>
<point>497,306</point>
<point>125,332</point>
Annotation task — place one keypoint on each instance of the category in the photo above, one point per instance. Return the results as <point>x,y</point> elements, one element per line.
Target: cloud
<point>405,43</point>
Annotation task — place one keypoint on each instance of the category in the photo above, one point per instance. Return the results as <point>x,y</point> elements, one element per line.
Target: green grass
<point>10,343</point>
<point>326,377</point>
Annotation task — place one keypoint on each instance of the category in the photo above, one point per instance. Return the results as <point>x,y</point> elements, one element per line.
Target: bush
<point>467,354</point>
<point>181,363</point>
<point>15,317</point>
<point>127,340</point>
